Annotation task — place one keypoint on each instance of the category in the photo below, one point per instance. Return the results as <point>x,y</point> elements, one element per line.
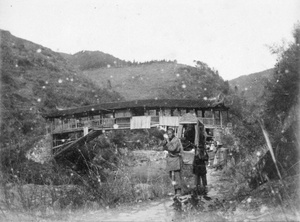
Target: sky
<point>231,36</point>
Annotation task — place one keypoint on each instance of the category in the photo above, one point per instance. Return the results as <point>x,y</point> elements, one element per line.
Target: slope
<point>35,80</point>
<point>136,82</point>
<point>252,86</point>
<point>86,60</point>
<point>160,80</point>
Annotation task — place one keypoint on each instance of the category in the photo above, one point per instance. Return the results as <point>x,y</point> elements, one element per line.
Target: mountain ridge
<point>164,80</point>
<point>36,80</point>
<point>252,86</point>
<point>85,60</point>
<point>131,79</point>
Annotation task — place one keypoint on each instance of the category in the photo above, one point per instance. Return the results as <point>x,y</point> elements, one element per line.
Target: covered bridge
<point>87,122</point>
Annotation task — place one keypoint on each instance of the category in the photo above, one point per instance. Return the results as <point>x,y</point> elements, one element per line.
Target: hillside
<point>251,86</point>
<point>35,80</point>
<point>86,60</point>
<point>136,82</point>
<point>159,80</point>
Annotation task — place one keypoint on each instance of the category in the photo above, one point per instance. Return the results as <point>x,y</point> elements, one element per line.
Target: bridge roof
<point>149,103</point>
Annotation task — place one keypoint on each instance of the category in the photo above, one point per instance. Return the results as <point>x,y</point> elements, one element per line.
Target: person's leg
<point>178,182</point>
<point>171,174</point>
<point>198,186</point>
<point>197,180</point>
<point>204,180</point>
<point>204,183</point>
<point>172,178</point>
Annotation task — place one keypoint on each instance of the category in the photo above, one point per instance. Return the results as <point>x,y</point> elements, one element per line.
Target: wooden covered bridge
<point>72,127</point>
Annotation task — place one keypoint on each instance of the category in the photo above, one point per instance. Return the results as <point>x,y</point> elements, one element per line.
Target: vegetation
<point>281,115</point>
<point>35,80</point>
<point>200,82</point>
<point>89,60</point>
<point>98,174</point>
<point>252,87</point>
<point>160,80</point>
<point>252,170</point>
<point>276,113</point>
<point>86,60</point>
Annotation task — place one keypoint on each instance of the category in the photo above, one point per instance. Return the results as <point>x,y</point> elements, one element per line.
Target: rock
<point>263,209</point>
<point>49,211</point>
<point>69,207</point>
<point>123,151</point>
<point>143,191</point>
<point>95,206</point>
<point>91,205</point>
<point>149,155</point>
<point>41,151</point>
<point>38,213</point>
<point>12,195</point>
<point>56,205</point>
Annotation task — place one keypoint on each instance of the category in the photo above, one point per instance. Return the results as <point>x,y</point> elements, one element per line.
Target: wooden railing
<point>212,122</point>
<point>123,123</point>
<point>72,125</point>
<point>154,120</point>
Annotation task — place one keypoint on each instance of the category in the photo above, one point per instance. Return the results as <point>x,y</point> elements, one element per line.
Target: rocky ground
<point>217,207</point>
<point>224,202</point>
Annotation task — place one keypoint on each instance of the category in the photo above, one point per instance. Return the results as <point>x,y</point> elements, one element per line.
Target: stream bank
<point>227,201</point>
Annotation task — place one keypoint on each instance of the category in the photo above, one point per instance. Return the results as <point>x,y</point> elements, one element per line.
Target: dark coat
<point>199,165</point>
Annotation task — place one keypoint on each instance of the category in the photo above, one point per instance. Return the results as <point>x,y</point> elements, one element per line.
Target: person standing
<point>174,161</point>
<point>212,151</point>
<point>215,150</point>
<point>189,134</point>
<point>199,168</point>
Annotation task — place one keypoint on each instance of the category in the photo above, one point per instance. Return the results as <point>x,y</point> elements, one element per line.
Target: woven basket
<point>188,157</point>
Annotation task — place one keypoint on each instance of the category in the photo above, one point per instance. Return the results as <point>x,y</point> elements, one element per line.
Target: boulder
<point>143,191</point>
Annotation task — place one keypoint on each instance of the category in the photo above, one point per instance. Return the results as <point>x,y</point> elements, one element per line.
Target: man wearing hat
<point>174,161</point>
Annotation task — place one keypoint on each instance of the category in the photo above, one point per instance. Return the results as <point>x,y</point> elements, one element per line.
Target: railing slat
<point>122,123</point>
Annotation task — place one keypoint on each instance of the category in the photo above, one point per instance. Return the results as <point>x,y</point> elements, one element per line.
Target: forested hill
<point>91,60</point>
<point>86,60</point>
<point>34,80</point>
<point>252,86</point>
<point>160,80</point>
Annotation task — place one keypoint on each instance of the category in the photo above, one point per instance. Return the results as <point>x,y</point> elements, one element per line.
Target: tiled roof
<point>150,103</point>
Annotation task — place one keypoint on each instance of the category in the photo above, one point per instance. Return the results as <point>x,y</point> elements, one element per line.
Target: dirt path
<point>158,210</point>
<point>155,210</point>
<point>217,208</point>
<point>148,211</point>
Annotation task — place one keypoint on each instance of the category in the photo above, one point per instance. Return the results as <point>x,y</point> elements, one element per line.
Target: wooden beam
<point>61,145</point>
<point>221,119</point>
<point>82,140</point>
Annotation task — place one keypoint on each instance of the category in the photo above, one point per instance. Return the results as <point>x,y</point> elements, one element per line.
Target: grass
<point>280,194</point>
<point>137,82</point>
<point>148,180</point>
<point>124,185</point>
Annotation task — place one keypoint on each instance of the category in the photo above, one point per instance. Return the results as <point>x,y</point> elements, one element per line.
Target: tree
<point>281,115</point>
<point>284,90</point>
